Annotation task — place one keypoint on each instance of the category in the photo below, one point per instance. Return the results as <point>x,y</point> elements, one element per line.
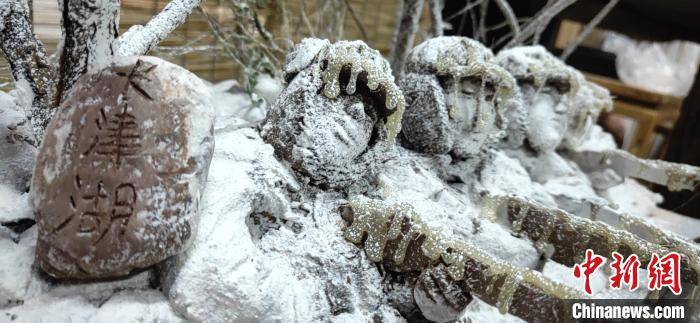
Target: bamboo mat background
<point>377,17</point>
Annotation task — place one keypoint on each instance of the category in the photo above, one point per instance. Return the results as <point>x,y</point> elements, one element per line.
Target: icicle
<point>400,253</point>
<point>594,211</point>
<point>360,58</point>
<point>678,178</point>
<point>505,295</point>
<point>519,218</point>
<point>653,295</point>
<point>543,241</point>
<point>490,206</point>
<point>660,242</point>
<point>373,217</point>
<point>480,113</point>
<point>670,241</point>
<point>352,83</point>
<point>369,218</point>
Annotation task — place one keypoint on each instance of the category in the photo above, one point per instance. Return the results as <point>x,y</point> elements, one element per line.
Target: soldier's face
<point>340,135</point>
<point>548,118</point>
<point>472,114</point>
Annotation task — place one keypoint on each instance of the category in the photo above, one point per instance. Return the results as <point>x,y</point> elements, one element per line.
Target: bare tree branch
<point>28,61</point>
<point>138,40</point>
<point>474,22</point>
<point>588,29</point>
<point>510,16</point>
<point>540,21</point>
<point>466,8</point>
<point>331,15</point>
<point>305,18</point>
<point>522,20</point>
<point>436,23</point>
<point>480,31</point>
<point>406,27</point>
<point>358,22</point>
<point>89,29</point>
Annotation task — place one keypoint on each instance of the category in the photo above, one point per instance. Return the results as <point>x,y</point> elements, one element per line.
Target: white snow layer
<point>268,250</point>
<point>17,143</point>
<point>261,257</point>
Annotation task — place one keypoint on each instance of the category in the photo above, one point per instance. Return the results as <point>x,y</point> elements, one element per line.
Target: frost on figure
<point>548,88</point>
<point>335,138</point>
<point>453,88</point>
<point>544,226</point>
<point>395,235</point>
<point>561,115</point>
<point>460,104</point>
<point>121,169</point>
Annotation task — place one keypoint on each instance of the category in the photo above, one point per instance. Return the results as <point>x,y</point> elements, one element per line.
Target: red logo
<point>627,271</point>
<point>589,266</point>
<point>662,272</point>
<point>665,272</point>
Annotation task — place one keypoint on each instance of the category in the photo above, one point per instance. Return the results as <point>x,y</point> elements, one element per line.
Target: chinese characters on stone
<point>99,207</point>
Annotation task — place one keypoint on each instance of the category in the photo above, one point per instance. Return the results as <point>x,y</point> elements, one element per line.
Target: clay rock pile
<point>119,175</point>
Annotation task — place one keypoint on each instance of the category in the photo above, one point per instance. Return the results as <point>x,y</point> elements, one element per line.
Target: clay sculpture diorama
<point>313,118</point>
<point>271,244</point>
<point>457,75</point>
<point>120,173</point>
<point>607,159</point>
<point>564,107</point>
<point>462,105</point>
<point>548,88</point>
<point>355,199</point>
<point>422,221</point>
<point>581,160</point>
<point>549,228</point>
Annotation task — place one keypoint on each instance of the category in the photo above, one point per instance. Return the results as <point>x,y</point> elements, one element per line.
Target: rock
<point>120,172</point>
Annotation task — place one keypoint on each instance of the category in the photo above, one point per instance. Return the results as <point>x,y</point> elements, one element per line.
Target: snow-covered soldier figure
<point>548,88</point>
<point>456,96</point>
<point>459,105</point>
<point>338,117</point>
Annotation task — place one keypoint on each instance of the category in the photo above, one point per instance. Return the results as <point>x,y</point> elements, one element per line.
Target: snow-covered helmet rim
<point>590,101</point>
<point>537,66</point>
<point>434,71</point>
<point>341,65</point>
<point>458,57</point>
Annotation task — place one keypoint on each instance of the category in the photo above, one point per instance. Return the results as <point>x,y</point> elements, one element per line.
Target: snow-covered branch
<point>588,29</point>
<point>540,21</point>
<point>436,22</point>
<point>510,17</point>
<point>28,61</point>
<point>138,40</point>
<point>406,27</point>
<point>89,29</point>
